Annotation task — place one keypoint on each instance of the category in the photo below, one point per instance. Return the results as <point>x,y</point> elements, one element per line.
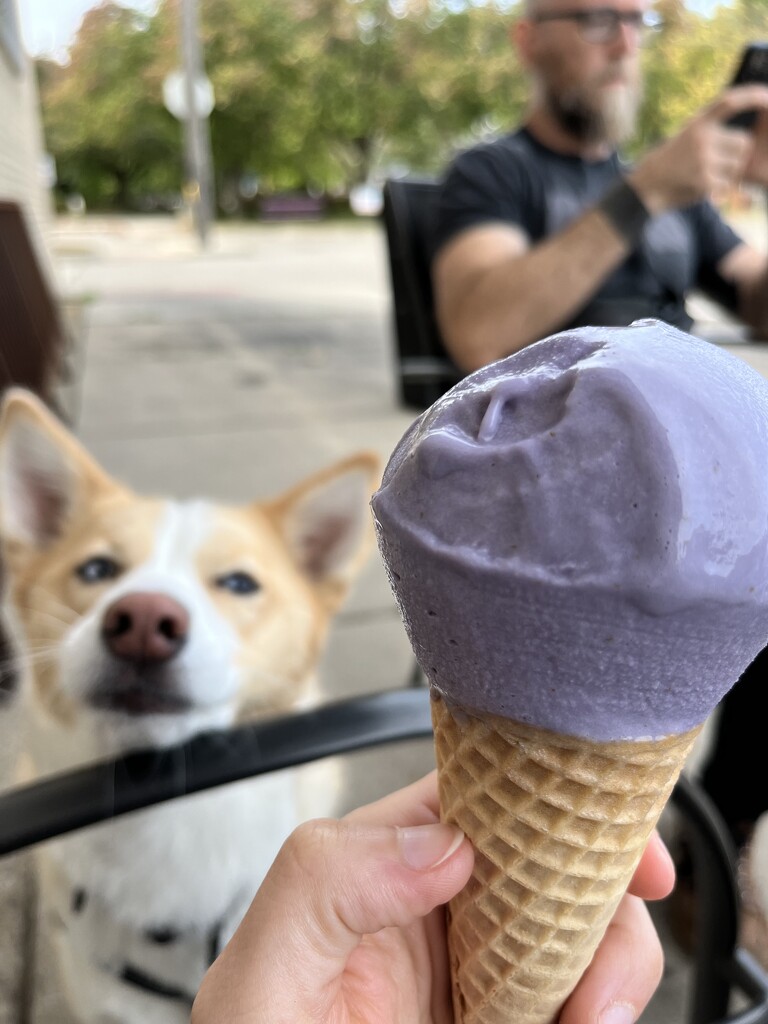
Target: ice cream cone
<point>576,537</point>
<point>558,825</point>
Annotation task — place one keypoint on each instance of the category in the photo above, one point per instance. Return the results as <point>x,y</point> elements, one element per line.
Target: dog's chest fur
<point>140,907</point>
<point>181,864</point>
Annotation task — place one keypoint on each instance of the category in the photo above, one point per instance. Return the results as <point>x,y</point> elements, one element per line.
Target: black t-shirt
<point>519,181</point>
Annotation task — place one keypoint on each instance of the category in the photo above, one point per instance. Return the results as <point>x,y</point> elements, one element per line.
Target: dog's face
<point>151,620</point>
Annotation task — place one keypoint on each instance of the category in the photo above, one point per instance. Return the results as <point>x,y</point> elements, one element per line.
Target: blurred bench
<point>292,207</point>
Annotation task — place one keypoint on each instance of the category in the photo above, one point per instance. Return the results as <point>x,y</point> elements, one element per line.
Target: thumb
<point>332,883</point>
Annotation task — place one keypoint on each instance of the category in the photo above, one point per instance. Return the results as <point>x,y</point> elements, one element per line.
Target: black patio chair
<point>721,967</point>
<point>102,791</point>
<point>425,370</point>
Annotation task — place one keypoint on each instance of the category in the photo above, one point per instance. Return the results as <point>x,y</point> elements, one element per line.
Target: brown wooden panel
<point>32,337</point>
<point>31,333</point>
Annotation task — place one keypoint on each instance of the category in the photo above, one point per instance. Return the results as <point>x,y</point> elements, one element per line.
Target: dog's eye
<point>97,569</point>
<point>239,583</point>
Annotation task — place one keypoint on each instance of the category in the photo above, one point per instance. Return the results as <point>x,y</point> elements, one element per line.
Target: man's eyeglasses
<point>601,24</point>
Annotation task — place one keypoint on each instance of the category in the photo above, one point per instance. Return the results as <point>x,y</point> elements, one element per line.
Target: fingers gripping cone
<point>577,537</point>
<point>558,826</point>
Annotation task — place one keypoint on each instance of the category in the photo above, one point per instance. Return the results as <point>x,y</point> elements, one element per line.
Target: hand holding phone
<point>753,68</point>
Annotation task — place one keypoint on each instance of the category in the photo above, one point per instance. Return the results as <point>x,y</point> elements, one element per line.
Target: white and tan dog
<point>142,622</point>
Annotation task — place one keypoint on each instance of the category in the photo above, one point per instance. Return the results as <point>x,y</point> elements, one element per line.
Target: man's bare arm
<point>495,294</point>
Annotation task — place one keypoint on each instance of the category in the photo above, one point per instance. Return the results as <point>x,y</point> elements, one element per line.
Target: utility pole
<point>198,189</point>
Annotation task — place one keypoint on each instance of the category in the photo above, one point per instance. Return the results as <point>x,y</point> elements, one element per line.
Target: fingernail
<point>426,846</point>
<point>618,1013</point>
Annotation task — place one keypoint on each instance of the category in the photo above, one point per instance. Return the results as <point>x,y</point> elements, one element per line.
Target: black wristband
<point>626,211</point>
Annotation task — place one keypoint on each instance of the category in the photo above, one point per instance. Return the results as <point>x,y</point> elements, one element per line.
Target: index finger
<point>736,100</point>
<point>417,804</point>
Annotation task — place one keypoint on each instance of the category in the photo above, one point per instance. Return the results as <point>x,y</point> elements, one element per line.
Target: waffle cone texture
<point>558,825</point>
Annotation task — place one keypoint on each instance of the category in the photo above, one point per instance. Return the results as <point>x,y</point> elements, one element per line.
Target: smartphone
<point>753,68</point>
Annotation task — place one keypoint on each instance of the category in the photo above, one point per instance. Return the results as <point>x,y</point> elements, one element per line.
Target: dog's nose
<point>145,627</point>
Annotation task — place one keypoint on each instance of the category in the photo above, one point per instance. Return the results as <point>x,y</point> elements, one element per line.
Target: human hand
<point>348,925</point>
<point>706,159</point>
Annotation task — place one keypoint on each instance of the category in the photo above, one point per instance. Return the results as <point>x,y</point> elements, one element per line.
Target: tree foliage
<point>102,120</point>
<point>326,93</point>
<point>692,59</point>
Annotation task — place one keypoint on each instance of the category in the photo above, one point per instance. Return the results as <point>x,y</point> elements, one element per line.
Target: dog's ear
<point>326,523</point>
<point>44,472</point>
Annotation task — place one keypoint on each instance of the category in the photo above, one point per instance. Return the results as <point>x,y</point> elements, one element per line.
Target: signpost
<point>175,95</point>
<point>188,95</point>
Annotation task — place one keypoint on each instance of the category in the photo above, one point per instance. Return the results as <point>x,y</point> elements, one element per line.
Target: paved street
<point>230,375</point>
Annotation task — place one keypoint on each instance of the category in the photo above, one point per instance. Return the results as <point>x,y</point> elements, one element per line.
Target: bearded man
<point>546,228</point>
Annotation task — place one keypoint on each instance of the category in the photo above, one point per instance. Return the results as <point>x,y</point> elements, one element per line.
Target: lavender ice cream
<point>577,535</point>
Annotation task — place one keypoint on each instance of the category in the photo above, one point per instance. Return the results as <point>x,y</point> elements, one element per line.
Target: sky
<point>48,26</point>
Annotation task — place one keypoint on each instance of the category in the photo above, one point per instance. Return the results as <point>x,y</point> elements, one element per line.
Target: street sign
<point>175,95</point>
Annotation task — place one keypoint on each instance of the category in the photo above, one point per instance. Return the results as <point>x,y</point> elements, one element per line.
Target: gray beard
<point>589,124</point>
<point>579,120</point>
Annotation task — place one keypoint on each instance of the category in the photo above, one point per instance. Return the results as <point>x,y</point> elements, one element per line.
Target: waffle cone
<point>558,825</point>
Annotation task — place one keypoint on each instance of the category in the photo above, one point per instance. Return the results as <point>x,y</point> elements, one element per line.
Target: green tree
<point>103,114</point>
<point>327,93</point>
<point>692,60</point>
<point>324,92</point>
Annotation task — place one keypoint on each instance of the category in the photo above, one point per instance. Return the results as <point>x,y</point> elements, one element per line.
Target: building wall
<point>21,145</point>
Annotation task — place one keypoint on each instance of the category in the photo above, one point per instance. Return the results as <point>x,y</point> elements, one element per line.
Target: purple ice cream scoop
<point>577,535</point>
